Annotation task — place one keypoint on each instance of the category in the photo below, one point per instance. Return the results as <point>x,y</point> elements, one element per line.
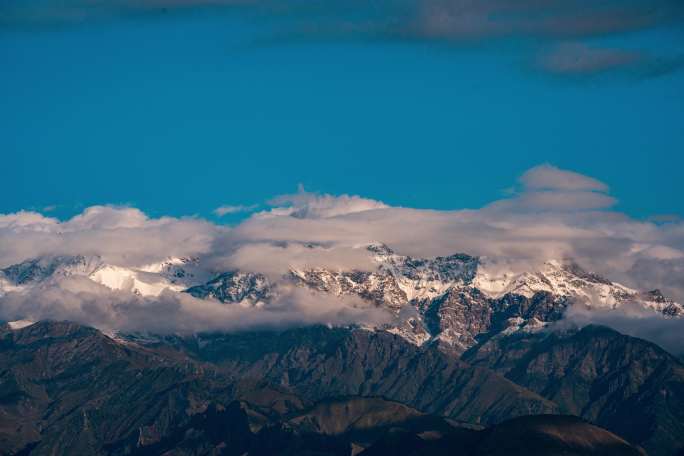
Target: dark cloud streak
<point>578,59</point>
<point>421,19</point>
<point>550,23</point>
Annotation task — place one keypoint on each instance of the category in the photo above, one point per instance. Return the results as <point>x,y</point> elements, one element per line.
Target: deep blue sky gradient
<point>178,115</point>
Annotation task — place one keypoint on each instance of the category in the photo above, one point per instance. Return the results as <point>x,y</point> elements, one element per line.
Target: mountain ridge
<point>288,381</point>
<point>454,301</point>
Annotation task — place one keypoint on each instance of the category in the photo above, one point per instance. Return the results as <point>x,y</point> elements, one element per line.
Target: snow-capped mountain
<point>175,274</point>
<point>236,287</point>
<point>397,280</point>
<point>458,299</point>
<point>453,301</point>
<point>40,269</point>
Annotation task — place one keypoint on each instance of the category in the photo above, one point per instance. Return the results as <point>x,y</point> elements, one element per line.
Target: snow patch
<point>139,282</point>
<point>19,324</point>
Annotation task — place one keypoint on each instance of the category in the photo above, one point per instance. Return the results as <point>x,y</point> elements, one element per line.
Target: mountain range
<point>473,361</point>
<point>453,301</point>
<point>70,389</point>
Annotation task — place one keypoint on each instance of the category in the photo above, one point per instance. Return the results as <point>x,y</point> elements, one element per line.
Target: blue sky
<point>183,112</point>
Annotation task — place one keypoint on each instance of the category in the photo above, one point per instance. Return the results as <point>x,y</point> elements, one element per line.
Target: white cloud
<point>547,188</point>
<point>121,235</point>
<point>548,177</point>
<point>225,210</point>
<point>26,220</point>
<point>274,259</point>
<point>306,205</point>
<point>79,299</point>
<point>554,214</point>
<point>556,200</point>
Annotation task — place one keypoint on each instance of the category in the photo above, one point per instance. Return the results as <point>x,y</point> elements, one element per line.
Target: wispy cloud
<point>225,210</point>
<point>308,205</point>
<point>580,59</point>
<point>665,218</point>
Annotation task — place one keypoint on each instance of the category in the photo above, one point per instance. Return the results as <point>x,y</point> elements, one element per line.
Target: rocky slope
<point>625,384</point>
<point>628,385</point>
<point>69,389</point>
<point>319,362</point>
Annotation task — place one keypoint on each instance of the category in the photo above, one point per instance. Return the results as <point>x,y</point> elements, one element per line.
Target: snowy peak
<point>19,324</point>
<point>561,278</point>
<point>39,269</point>
<point>181,270</point>
<point>453,300</point>
<point>380,250</point>
<point>379,287</point>
<point>655,300</point>
<point>454,268</point>
<point>136,281</point>
<point>245,288</point>
<point>175,274</point>
<point>397,279</point>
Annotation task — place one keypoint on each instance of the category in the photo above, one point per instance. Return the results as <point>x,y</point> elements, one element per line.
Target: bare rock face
<point>458,316</point>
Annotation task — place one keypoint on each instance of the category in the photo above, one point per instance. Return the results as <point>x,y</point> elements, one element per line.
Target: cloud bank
<point>550,214</point>
<point>121,235</point>
<point>81,300</point>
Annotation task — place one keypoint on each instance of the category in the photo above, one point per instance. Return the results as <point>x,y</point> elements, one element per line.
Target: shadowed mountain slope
<point>539,435</point>
<point>71,389</point>
<point>626,384</point>
<point>318,362</point>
